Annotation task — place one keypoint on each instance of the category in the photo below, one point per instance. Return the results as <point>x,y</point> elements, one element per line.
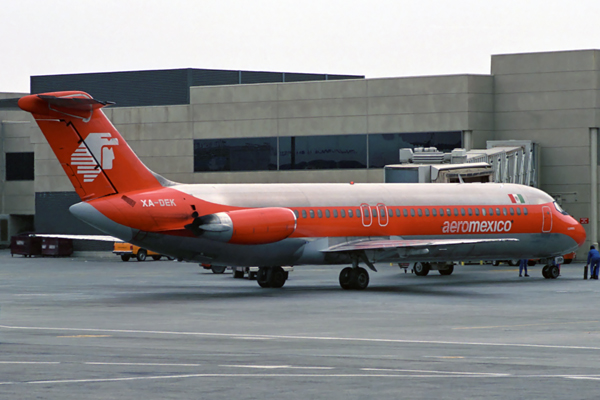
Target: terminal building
<point>210,126</point>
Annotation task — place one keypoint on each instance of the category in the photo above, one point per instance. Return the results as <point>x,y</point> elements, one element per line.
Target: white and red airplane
<point>274,225</point>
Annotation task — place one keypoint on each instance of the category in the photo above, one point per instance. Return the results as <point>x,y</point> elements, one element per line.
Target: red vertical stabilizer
<point>92,152</point>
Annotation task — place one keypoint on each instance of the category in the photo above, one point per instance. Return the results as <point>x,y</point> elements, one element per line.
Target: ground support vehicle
<point>128,250</point>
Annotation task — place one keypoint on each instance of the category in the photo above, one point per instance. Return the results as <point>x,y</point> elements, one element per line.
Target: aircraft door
<point>382,215</point>
<point>547,219</point>
<point>367,218</point>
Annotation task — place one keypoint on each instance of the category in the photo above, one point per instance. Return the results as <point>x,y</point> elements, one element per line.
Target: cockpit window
<point>559,209</point>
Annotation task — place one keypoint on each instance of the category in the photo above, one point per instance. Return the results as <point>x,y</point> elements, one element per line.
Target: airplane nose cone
<point>578,234</point>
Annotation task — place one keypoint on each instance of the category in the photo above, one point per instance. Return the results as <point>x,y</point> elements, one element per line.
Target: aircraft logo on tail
<point>94,154</point>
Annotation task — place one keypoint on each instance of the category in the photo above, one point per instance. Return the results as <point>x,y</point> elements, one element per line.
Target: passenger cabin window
<point>296,213</point>
<point>420,212</point>
<point>312,213</point>
<point>518,211</point>
<point>462,212</point>
<point>357,213</point>
<point>456,212</point>
<point>477,212</point>
<point>397,212</point>
<point>366,213</point>
<point>441,212</point>
<point>512,211</point>
<point>390,212</point>
<point>483,211</point>
<point>497,211</point>
<point>405,212</point>
<point>335,213</point>
<point>434,212</point>
<point>525,210</point>
<point>504,212</point>
<point>470,211</point>
<point>448,212</point>
<point>343,213</point>
<point>303,213</point>
<point>320,213</point>
<point>382,212</point>
<point>491,210</point>
<point>327,214</point>
<point>427,212</point>
<point>350,214</point>
<point>412,212</point>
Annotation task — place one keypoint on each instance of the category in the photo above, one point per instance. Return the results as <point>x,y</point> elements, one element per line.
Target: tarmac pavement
<point>94,327</point>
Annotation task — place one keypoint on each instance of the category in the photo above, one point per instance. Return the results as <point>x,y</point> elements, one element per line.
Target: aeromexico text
<point>476,226</point>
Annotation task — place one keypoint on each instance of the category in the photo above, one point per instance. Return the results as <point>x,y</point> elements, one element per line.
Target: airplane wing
<point>100,238</point>
<point>383,244</point>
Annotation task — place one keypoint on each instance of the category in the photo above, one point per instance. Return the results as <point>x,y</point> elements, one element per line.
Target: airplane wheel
<point>141,255</point>
<point>277,277</point>
<point>125,257</point>
<point>263,277</point>
<point>360,279</point>
<point>513,263</point>
<point>421,269</point>
<point>495,263</point>
<point>553,272</point>
<point>218,269</point>
<point>156,258</point>
<point>447,271</point>
<point>346,278</point>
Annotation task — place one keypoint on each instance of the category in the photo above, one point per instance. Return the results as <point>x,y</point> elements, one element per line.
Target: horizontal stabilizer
<point>75,103</point>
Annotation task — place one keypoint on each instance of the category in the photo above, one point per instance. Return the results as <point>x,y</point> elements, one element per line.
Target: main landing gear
<point>271,277</point>
<point>354,278</point>
<point>550,271</point>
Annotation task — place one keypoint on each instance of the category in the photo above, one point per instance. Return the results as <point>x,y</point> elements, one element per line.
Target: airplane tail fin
<point>92,152</point>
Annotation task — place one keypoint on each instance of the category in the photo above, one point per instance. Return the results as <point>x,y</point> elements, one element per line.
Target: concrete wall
<point>552,99</point>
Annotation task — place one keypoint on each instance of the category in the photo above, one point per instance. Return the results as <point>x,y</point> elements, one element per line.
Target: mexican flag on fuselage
<point>516,198</point>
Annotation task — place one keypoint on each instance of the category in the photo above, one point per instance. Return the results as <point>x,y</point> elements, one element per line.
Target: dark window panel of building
<point>384,147</point>
<point>298,77</point>
<point>249,154</point>
<point>19,166</point>
<point>323,152</point>
<point>213,77</point>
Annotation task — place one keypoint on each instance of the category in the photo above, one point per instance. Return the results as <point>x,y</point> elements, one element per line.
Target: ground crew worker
<point>523,266</point>
<point>594,259</point>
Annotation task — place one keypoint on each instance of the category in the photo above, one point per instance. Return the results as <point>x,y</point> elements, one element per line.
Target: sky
<point>375,38</point>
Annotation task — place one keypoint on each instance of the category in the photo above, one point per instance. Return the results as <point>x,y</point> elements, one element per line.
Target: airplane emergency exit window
<point>367,213</point>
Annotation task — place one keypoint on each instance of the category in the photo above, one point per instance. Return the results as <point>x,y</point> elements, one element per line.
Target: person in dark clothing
<point>593,261</point>
<point>523,266</point>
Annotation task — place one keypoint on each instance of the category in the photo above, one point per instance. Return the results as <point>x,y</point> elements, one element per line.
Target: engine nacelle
<point>252,226</point>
